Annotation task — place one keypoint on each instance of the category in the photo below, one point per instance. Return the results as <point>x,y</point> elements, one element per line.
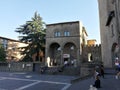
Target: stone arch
<point>72,42</point>
<point>54,53</point>
<point>114,46</point>
<point>114,50</point>
<point>69,52</point>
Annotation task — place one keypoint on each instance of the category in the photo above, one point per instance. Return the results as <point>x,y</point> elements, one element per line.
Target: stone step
<point>62,70</point>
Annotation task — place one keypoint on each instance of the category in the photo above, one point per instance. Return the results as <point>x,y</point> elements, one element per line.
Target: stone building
<point>64,42</point>
<point>109,13</point>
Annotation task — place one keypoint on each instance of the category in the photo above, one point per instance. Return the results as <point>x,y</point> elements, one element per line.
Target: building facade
<point>12,49</point>
<point>109,13</point>
<point>64,42</point>
<point>91,42</point>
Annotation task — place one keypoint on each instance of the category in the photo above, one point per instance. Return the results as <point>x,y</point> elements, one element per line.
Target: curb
<point>80,78</point>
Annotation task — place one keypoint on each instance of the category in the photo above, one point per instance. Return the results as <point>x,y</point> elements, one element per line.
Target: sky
<point>16,12</point>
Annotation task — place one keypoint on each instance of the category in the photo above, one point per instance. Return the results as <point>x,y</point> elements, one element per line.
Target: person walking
<point>97,83</point>
<point>102,71</point>
<point>96,71</point>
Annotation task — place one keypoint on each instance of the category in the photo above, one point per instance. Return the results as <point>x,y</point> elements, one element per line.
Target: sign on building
<point>66,55</point>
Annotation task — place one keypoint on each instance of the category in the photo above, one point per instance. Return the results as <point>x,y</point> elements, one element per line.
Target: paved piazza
<point>30,81</point>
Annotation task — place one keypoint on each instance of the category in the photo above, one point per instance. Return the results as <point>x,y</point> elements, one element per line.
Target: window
<point>66,33</point>
<point>57,34</point>
<point>4,42</point>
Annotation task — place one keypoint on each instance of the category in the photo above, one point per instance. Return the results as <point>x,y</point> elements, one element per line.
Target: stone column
<point>46,55</point>
<point>61,54</point>
<point>78,57</point>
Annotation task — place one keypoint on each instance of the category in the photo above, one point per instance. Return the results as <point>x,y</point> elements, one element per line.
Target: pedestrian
<point>102,71</point>
<point>118,73</point>
<point>97,83</point>
<point>116,63</point>
<point>97,68</point>
<point>96,71</point>
<point>96,74</point>
<point>65,63</point>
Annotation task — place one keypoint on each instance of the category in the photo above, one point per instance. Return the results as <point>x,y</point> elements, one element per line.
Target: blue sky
<point>16,12</point>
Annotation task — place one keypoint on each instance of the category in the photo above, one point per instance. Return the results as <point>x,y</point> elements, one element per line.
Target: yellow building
<point>12,48</point>
<point>91,42</point>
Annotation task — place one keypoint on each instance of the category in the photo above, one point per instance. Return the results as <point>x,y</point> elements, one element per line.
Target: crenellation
<point>94,50</point>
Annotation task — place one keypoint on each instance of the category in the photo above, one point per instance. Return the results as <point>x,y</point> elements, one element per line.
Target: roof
<point>63,23</point>
<point>11,39</point>
<point>91,40</point>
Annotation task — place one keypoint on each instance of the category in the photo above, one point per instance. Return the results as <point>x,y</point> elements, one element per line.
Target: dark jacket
<point>97,83</point>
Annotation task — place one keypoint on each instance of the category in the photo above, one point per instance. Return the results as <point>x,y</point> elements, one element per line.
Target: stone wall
<point>86,69</point>
<point>109,32</point>
<point>94,50</point>
<point>16,67</point>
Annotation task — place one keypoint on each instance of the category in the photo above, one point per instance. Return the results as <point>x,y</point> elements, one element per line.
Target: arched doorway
<point>114,51</point>
<point>55,54</point>
<point>69,52</point>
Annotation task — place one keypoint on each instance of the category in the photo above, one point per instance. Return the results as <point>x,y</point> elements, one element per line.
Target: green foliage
<point>33,33</point>
<point>2,54</point>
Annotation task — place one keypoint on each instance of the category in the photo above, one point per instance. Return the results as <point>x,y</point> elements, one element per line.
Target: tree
<point>33,33</point>
<point>2,53</point>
